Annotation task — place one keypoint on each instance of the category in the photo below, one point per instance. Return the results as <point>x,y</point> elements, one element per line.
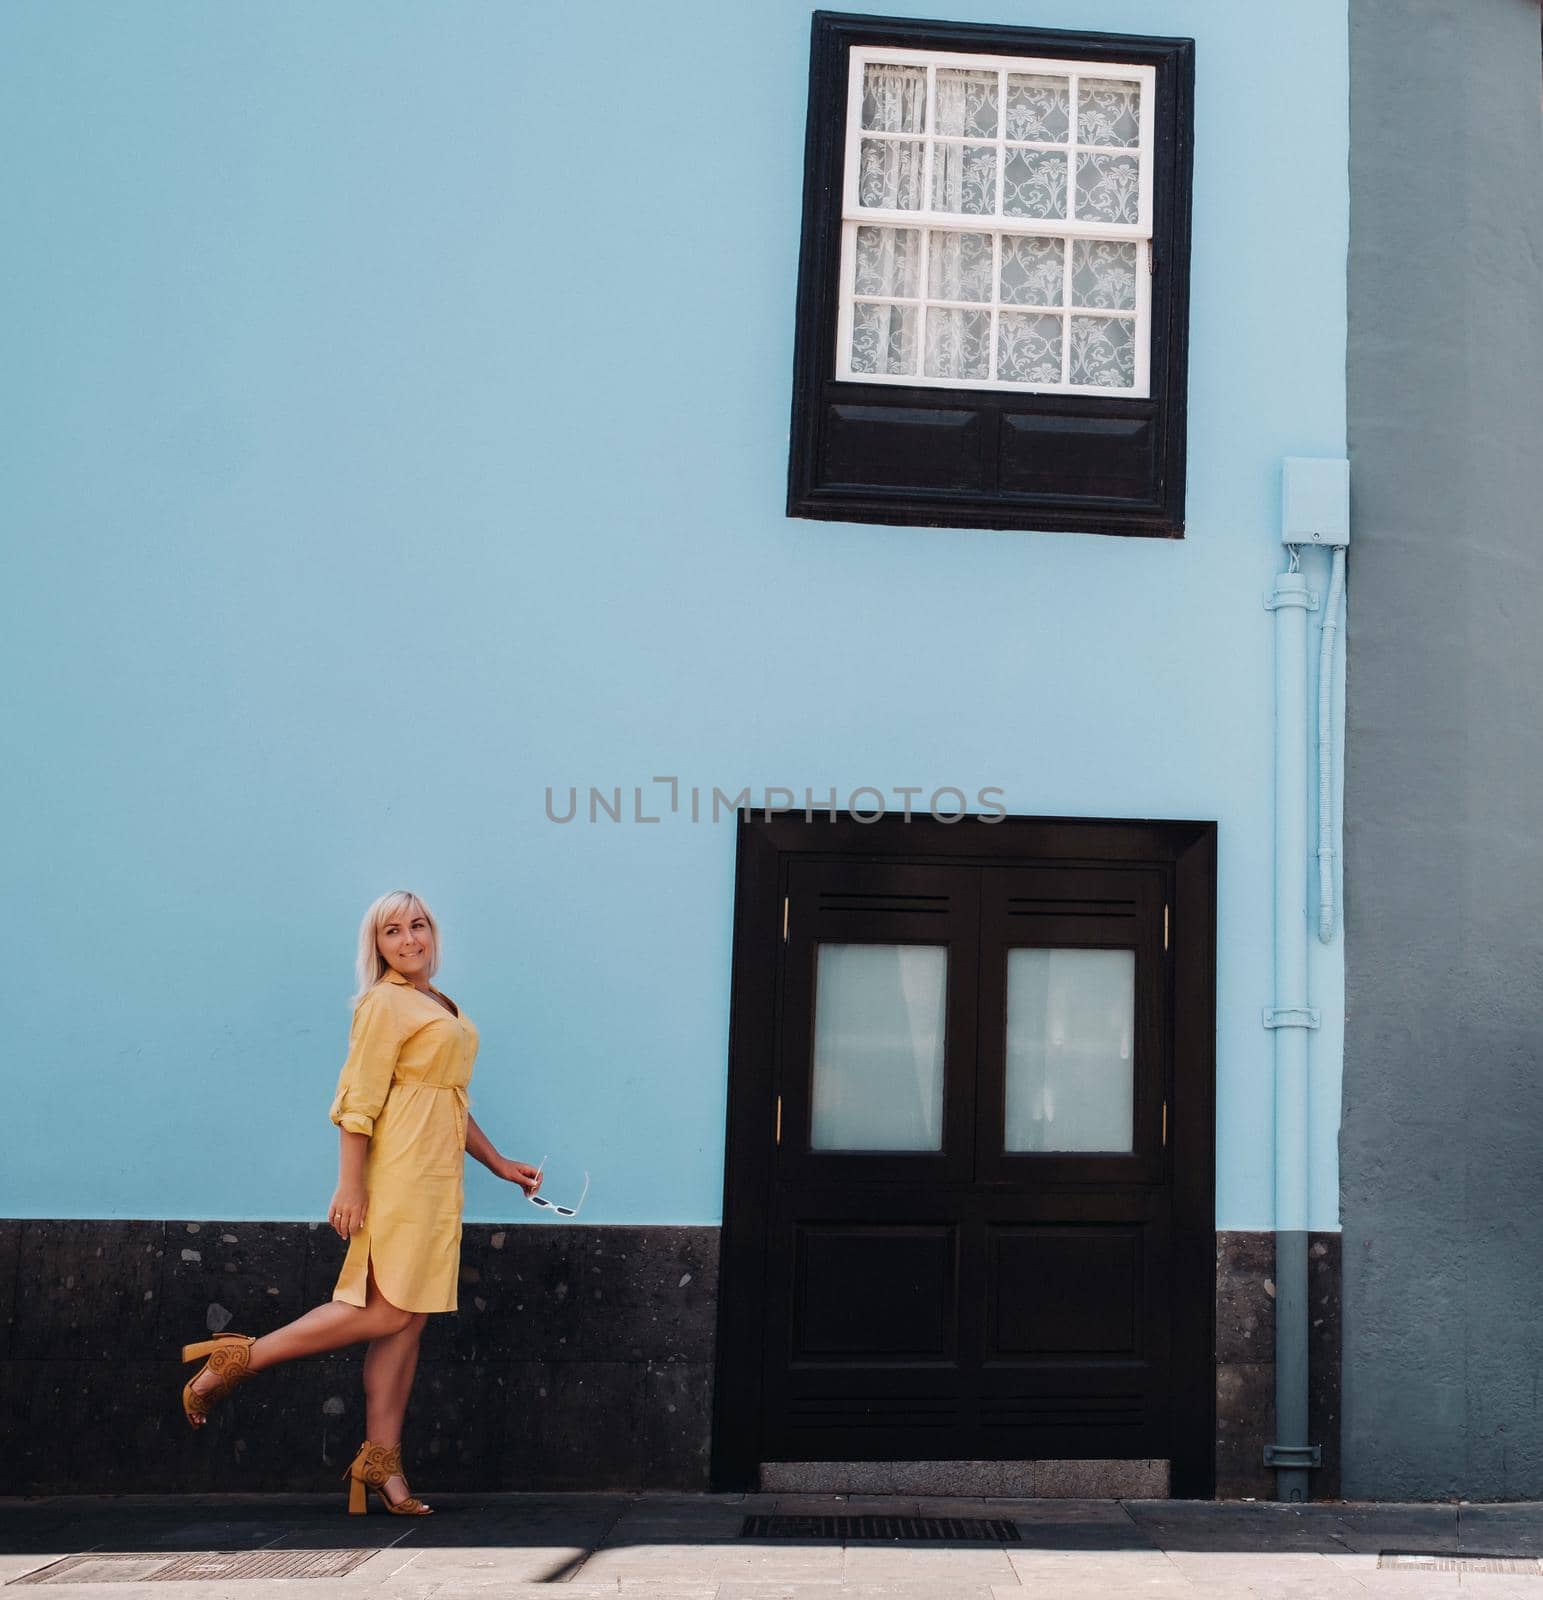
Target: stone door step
<point>1013,1480</point>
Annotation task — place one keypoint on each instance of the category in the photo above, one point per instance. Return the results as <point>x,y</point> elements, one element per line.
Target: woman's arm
<point>480,1148</point>
<point>350,1203</point>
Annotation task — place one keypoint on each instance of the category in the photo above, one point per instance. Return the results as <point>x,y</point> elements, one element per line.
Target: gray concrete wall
<point>1442,1140</point>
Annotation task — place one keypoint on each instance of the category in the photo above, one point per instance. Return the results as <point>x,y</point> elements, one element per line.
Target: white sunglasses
<point>547,1205</point>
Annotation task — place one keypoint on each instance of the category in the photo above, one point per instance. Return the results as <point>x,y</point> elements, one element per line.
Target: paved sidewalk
<point>678,1547</point>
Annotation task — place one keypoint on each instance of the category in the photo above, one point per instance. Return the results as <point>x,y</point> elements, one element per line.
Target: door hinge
<point>779,1120</point>
<point>784,919</point>
<point>1151,263</point>
<point>1165,927</point>
<point>1165,1124</point>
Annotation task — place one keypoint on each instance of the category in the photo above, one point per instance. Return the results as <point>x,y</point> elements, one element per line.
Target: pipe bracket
<point>1292,1017</point>
<point>1304,598</point>
<point>1293,1455</point>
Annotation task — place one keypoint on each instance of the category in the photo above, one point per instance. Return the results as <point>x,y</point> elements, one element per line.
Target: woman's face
<point>407,943</point>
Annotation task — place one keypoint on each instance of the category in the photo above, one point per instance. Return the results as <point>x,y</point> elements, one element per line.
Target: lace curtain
<point>960,264</point>
<point>1000,307</point>
<point>884,336</point>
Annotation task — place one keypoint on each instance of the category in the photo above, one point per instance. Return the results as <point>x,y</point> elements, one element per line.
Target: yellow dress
<point>404,1085</point>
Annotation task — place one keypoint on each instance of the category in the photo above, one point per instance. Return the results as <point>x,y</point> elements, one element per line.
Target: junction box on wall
<point>1315,501</point>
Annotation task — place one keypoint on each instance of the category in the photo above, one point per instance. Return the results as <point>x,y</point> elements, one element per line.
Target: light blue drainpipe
<point>1315,510</point>
<point>1291,1018</point>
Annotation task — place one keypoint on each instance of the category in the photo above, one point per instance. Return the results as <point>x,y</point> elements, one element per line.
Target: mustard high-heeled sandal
<point>229,1357</point>
<point>370,1469</point>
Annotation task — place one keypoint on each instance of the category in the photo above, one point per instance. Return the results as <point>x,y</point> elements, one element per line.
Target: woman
<point>403,1122</point>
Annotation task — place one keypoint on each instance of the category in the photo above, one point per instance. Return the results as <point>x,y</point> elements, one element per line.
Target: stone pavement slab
<point>687,1547</point>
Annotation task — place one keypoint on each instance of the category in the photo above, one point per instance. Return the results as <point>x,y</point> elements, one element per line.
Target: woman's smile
<point>407,945</point>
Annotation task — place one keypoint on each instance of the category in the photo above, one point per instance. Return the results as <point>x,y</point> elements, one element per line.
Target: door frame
<point>765,847</point>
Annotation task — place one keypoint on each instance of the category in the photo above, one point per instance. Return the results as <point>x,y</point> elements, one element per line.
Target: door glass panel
<point>1070,1027</point>
<point>878,1047</point>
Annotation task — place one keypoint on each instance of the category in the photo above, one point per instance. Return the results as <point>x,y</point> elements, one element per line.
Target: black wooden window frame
<point>967,458</point>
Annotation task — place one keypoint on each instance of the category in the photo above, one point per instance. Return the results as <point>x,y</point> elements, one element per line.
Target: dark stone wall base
<point>1245,1363</point>
<point>581,1358</point>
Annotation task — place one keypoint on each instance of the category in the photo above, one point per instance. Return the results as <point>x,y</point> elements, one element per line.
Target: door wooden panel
<point>1068,1292</point>
<point>866,1293</point>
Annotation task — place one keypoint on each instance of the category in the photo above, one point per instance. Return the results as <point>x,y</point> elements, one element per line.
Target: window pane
<point>1108,112</point>
<point>1032,271</point>
<point>967,103</point>
<point>964,179</point>
<point>1108,189</point>
<point>1034,184</point>
<point>1028,349</point>
<point>1104,274</point>
<point>958,343</point>
<point>878,1047</point>
<point>1001,186</point>
<point>894,98</point>
<point>959,267</point>
<point>1037,107</point>
<point>1070,1026</point>
<point>890,175</point>
<point>883,339</point>
<point>1104,351</point>
<point>887,261</point>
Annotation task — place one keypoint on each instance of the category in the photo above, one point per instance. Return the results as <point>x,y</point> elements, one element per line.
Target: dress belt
<point>462,1099</point>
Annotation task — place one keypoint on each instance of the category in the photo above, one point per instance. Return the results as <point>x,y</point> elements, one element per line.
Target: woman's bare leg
<point>332,1326</point>
<point>389,1365</point>
<point>327,1327</point>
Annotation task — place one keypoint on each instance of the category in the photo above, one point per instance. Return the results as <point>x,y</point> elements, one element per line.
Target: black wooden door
<point>967,1227</point>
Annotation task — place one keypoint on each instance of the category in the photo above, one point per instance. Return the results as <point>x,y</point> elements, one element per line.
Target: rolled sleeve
<point>374,1042</point>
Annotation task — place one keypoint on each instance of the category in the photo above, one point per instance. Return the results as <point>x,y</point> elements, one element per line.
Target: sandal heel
<point>358,1501</point>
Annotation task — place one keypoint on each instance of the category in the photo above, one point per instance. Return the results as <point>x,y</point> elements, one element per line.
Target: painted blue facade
<point>396,426</point>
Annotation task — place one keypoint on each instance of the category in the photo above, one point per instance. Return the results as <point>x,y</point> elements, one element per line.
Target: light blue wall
<point>395,423</point>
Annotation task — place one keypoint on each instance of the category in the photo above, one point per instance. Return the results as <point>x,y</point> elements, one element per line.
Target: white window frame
<point>928,221</point>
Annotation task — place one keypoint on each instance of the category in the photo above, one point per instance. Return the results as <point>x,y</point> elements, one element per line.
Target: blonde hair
<point>371,965</point>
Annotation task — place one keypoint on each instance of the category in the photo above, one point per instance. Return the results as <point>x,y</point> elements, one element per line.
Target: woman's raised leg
<point>332,1326</point>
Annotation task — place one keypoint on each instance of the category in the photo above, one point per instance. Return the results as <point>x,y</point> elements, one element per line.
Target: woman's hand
<point>528,1178</point>
<point>480,1148</point>
<point>347,1212</point>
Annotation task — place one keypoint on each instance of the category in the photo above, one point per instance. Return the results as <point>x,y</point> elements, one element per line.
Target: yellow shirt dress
<point>404,1085</point>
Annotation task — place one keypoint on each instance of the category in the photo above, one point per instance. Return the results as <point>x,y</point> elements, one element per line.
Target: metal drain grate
<point>1444,1561</point>
<point>191,1566</point>
<point>956,1530</point>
